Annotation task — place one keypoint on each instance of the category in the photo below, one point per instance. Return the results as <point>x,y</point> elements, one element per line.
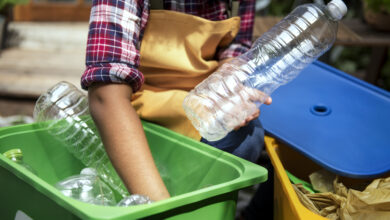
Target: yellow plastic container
<point>286,202</point>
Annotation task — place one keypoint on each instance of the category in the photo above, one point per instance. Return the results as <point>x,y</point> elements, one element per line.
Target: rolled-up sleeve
<point>115,32</point>
<point>243,41</point>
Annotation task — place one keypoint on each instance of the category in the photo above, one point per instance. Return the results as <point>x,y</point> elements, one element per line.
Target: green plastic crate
<point>202,180</point>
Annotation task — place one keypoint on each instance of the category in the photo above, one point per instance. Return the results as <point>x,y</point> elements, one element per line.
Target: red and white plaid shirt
<point>116,28</point>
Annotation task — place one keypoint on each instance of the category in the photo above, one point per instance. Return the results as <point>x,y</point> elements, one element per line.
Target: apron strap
<point>233,6</point>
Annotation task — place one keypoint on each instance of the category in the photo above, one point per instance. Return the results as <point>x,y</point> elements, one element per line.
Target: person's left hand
<point>255,115</point>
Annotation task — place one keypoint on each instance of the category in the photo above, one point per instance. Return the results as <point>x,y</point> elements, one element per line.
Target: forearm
<point>124,139</point>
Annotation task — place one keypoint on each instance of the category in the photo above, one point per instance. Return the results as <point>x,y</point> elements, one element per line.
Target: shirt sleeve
<point>243,41</point>
<point>115,32</point>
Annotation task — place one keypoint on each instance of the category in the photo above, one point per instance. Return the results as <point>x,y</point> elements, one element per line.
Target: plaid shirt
<point>116,28</point>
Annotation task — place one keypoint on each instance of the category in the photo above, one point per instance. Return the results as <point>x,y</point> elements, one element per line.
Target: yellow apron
<point>177,52</point>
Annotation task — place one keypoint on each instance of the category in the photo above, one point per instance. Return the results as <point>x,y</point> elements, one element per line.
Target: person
<point>140,63</point>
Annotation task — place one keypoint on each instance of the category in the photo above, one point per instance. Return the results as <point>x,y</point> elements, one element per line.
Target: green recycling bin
<point>203,181</point>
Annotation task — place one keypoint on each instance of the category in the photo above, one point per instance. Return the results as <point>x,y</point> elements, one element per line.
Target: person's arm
<point>111,77</point>
<point>123,136</point>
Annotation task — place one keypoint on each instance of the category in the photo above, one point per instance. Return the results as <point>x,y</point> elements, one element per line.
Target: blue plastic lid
<point>338,121</point>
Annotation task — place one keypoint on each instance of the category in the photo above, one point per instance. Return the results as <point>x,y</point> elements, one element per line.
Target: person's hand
<point>255,115</point>
<point>256,96</point>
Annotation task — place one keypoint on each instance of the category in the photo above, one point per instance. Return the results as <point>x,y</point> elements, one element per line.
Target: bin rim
<point>250,174</point>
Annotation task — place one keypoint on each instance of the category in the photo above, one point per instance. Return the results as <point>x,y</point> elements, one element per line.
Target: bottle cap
<point>14,153</point>
<point>337,8</point>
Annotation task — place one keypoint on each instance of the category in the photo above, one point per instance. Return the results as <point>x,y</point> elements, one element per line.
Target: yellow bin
<point>286,201</point>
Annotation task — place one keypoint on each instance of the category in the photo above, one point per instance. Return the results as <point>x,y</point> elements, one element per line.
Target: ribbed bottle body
<point>63,110</point>
<point>280,54</point>
<point>235,91</point>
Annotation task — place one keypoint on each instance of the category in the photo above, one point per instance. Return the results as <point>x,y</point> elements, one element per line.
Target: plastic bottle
<point>16,155</point>
<point>87,187</point>
<point>63,110</point>
<point>134,199</point>
<point>236,90</point>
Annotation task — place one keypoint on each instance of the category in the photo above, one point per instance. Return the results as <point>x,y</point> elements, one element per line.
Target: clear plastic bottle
<point>16,155</point>
<point>63,110</point>
<point>236,90</point>
<point>87,187</point>
<point>134,199</point>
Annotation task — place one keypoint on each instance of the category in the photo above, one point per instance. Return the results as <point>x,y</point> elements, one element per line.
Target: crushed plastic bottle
<point>135,199</point>
<point>87,187</point>
<point>236,90</point>
<point>16,155</point>
<point>63,110</point>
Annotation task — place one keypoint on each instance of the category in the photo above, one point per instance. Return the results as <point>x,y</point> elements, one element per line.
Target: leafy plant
<point>279,7</point>
<point>378,5</point>
<point>3,3</point>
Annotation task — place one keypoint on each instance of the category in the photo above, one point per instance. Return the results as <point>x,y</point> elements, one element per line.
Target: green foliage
<point>3,3</point>
<point>355,60</point>
<point>378,5</point>
<point>279,7</point>
<point>350,59</point>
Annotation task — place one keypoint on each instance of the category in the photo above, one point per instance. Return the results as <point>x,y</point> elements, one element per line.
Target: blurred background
<point>43,42</point>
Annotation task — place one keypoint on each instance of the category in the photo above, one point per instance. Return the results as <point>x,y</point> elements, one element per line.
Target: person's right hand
<point>124,139</point>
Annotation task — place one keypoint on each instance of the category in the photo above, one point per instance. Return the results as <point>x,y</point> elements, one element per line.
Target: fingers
<point>268,101</point>
<point>255,115</point>
<point>239,126</point>
<point>257,95</point>
<point>247,120</point>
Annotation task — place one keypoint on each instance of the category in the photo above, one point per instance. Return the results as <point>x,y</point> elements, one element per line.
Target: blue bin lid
<point>340,122</point>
